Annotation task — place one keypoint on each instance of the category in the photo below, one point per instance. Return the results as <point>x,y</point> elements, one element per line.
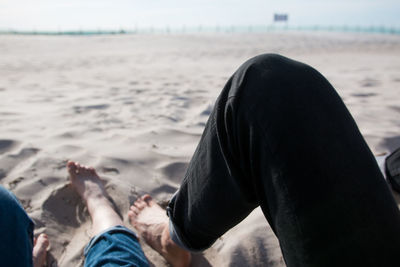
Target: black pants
<point>280,137</point>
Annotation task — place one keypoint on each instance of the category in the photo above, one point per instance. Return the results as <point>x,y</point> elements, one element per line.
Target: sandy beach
<point>134,107</point>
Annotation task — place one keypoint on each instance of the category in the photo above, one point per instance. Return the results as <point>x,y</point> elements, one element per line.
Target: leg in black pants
<point>281,137</point>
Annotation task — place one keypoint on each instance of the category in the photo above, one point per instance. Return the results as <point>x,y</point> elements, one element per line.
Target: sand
<point>134,107</point>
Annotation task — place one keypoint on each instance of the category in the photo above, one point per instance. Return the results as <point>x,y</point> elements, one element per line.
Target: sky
<point>129,14</point>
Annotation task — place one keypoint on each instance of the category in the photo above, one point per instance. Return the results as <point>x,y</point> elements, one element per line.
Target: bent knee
<point>9,203</point>
<point>275,68</point>
<point>275,76</point>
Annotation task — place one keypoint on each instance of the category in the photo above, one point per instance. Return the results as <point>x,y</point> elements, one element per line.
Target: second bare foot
<point>40,250</point>
<point>151,222</point>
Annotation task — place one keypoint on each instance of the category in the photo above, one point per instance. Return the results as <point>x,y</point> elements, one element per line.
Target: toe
<point>132,218</point>
<point>93,171</point>
<point>71,166</point>
<point>39,250</point>
<point>146,197</point>
<point>140,204</point>
<point>132,214</point>
<point>135,209</point>
<point>89,169</point>
<point>43,239</point>
<point>81,168</point>
<point>85,169</point>
<point>148,200</point>
<point>41,243</point>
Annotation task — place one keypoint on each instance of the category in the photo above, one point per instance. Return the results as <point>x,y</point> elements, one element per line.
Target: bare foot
<point>151,222</point>
<point>39,252</point>
<point>85,181</point>
<point>89,186</point>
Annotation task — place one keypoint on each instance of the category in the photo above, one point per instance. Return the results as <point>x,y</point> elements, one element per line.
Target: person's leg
<point>16,233</point>
<point>89,186</point>
<point>280,137</point>
<point>112,244</point>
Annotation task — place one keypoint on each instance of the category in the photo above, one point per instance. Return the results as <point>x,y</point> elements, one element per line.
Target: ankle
<point>97,204</point>
<point>94,196</point>
<point>175,255</point>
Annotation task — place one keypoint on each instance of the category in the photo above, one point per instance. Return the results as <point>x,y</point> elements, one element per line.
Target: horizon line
<point>208,29</point>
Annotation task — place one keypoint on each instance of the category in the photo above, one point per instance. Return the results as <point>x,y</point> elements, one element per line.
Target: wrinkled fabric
<point>16,232</point>
<point>116,246</point>
<point>280,137</point>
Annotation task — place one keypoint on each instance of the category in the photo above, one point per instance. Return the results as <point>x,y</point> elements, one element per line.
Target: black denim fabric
<point>392,169</point>
<point>281,137</point>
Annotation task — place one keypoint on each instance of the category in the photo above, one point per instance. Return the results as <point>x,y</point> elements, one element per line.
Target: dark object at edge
<point>392,169</point>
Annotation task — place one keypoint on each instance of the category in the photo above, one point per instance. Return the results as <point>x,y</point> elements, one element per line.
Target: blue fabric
<point>117,246</point>
<point>16,232</point>
<point>175,233</point>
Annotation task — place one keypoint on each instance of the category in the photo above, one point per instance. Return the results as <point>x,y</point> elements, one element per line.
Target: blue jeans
<point>117,246</point>
<point>16,232</point>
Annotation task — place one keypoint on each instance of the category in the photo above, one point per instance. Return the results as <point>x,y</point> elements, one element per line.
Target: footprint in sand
<point>164,189</point>
<point>6,145</point>
<point>368,82</point>
<point>395,108</point>
<point>13,184</point>
<point>207,111</point>
<point>133,83</point>
<point>174,171</point>
<point>110,170</point>
<point>3,173</point>
<point>65,207</point>
<point>61,164</point>
<point>364,94</point>
<point>390,143</point>
<point>84,109</point>
<point>137,91</point>
<point>26,203</point>
<point>11,161</point>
